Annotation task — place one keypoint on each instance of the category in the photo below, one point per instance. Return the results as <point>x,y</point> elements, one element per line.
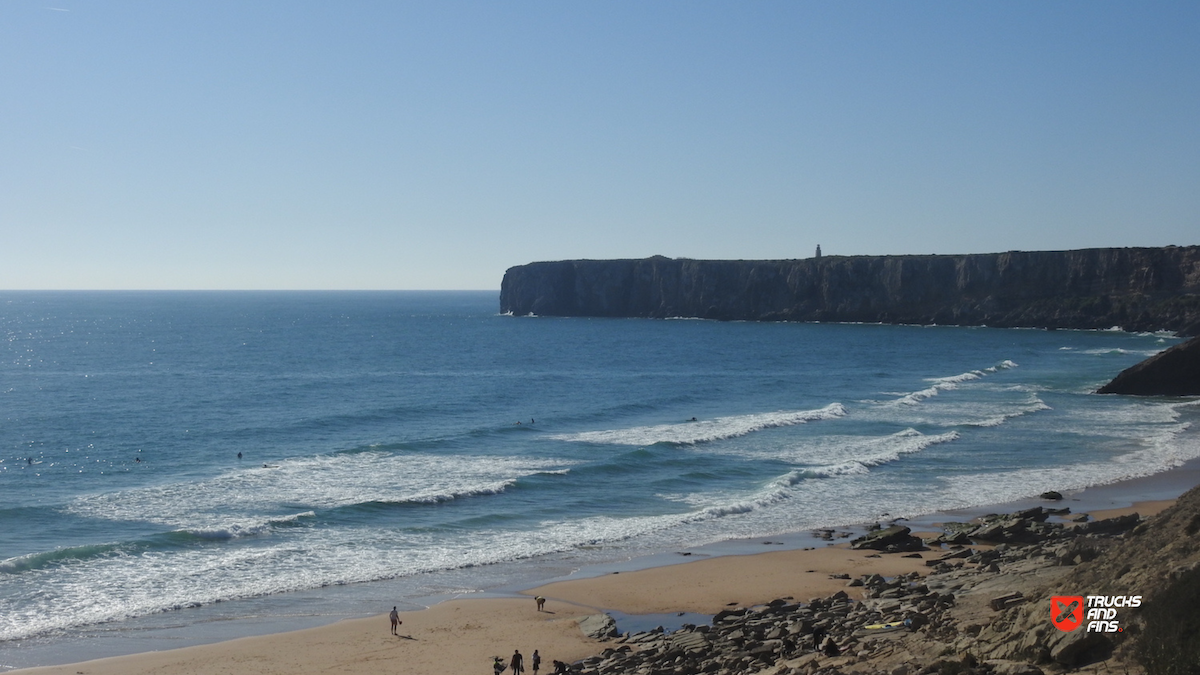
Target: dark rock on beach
<point>1174,372</point>
<point>894,539</point>
<point>1133,288</point>
<point>977,612</point>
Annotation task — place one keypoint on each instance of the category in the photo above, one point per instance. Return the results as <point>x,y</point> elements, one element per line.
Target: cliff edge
<point>1136,289</point>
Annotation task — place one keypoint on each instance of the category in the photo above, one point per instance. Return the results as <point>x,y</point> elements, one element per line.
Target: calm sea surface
<point>170,461</point>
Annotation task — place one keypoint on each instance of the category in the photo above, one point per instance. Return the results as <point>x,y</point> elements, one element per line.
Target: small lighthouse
<point>818,250</point>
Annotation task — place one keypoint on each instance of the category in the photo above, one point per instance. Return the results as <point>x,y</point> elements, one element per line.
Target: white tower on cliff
<point>818,250</point>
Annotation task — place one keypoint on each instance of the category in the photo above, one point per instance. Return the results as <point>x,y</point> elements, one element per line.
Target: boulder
<point>1111,525</point>
<point>1080,647</point>
<point>598,626</point>
<point>896,538</point>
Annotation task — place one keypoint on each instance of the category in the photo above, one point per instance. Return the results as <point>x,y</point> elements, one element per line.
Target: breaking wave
<point>946,383</point>
<point>703,431</point>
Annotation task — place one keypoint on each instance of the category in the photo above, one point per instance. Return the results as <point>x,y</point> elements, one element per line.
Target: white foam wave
<point>1160,451</point>
<point>1120,418</point>
<point>895,446</point>
<point>703,431</point>
<point>321,482</point>
<point>248,527</point>
<point>941,384</point>
<point>1035,404</point>
<point>850,457</point>
<point>437,497</point>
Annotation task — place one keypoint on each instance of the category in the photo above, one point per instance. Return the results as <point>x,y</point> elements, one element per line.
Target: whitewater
<point>171,461</point>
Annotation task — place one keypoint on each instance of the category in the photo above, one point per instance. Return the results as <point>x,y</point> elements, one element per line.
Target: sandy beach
<point>461,637</point>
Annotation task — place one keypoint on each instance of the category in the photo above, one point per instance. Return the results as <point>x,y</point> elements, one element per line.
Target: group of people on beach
<point>516,664</point>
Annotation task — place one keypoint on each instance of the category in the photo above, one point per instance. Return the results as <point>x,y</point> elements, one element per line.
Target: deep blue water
<point>379,441</point>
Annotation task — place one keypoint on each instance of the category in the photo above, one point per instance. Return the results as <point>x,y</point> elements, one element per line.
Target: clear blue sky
<point>432,145</point>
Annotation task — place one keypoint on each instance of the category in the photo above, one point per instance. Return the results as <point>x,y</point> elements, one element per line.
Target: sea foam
<point>703,431</point>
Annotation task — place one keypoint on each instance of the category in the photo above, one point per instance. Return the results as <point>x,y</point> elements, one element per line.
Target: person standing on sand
<point>395,617</point>
<point>541,602</point>
<point>517,665</point>
<point>497,666</point>
<point>535,661</point>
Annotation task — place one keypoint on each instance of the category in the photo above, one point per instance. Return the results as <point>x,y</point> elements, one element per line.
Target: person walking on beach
<point>535,661</point>
<point>517,664</point>
<point>497,666</point>
<point>395,617</point>
<point>541,602</point>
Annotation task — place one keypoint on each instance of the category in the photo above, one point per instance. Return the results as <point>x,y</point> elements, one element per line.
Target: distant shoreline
<point>1135,289</point>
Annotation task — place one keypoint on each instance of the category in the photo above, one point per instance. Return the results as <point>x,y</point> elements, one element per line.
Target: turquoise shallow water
<point>381,459</point>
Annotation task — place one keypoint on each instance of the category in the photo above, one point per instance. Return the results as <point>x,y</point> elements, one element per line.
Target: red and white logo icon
<point>1066,611</point>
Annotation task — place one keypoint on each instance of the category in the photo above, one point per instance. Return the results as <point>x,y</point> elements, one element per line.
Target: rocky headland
<point>1137,289</point>
<point>983,607</point>
<point>1174,372</point>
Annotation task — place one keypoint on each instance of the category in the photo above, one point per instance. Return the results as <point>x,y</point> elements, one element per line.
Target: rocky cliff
<point>1134,288</point>
<point>1174,372</point>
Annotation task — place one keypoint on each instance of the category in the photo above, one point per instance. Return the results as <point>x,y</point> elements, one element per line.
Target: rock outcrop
<point>1147,561</point>
<point>1133,288</point>
<point>1174,372</point>
<point>979,611</point>
<point>894,539</point>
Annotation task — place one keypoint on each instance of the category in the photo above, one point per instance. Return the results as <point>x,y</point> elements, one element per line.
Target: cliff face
<point>1134,288</point>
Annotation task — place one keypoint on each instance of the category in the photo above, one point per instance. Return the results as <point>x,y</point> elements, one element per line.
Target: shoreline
<point>699,581</point>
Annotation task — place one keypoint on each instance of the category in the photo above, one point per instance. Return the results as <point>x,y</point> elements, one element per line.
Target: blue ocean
<point>172,463</point>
